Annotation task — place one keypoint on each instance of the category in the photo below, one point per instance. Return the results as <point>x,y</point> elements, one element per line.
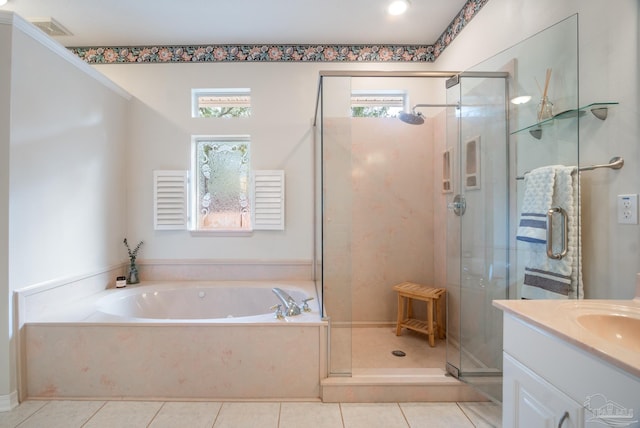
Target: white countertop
<point>559,317</point>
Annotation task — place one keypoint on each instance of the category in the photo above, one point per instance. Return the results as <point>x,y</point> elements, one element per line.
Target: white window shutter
<point>268,200</point>
<point>170,208</point>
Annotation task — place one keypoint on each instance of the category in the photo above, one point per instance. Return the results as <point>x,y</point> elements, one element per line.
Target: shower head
<point>413,118</point>
<point>417,118</point>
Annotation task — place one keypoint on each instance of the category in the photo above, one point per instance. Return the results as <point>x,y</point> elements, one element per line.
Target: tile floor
<point>371,348</point>
<point>133,414</point>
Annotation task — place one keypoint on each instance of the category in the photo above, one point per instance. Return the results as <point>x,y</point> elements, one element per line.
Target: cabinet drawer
<point>532,402</point>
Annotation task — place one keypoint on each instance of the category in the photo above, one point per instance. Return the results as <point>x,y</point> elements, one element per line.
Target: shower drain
<point>398,353</point>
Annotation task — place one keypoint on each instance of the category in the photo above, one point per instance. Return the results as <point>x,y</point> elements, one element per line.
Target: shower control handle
<point>459,205</point>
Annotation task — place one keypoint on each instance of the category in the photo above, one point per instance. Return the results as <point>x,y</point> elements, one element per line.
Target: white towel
<point>547,278</point>
<point>538,192</point>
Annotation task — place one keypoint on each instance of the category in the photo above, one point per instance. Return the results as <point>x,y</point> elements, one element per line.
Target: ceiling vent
<point>50,26</point>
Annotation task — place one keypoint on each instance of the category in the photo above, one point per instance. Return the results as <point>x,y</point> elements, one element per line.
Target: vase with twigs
<point>545,108</point>
<point>133,277</point>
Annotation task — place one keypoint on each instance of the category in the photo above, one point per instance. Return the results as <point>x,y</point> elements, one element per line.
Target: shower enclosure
<point>376,191</point>
<point>503,130</point>
<point>438,203</point>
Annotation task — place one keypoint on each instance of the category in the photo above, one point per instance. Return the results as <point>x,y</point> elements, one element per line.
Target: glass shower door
<point>495,138</point>
<point>478,227</point>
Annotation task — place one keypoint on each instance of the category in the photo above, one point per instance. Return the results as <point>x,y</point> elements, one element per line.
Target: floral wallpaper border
<point>282,53</point>
<point>466,14</point>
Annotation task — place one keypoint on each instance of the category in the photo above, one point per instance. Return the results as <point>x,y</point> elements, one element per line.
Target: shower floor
<point>372,347</point>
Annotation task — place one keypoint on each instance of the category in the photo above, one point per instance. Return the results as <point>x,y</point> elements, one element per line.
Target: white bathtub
<point>204,302</point>
<point>181,340</point>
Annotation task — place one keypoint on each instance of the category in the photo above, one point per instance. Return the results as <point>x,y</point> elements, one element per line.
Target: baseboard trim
<point>8,402</point>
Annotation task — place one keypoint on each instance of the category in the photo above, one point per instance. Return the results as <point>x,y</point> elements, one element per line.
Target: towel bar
<point>615,163</point>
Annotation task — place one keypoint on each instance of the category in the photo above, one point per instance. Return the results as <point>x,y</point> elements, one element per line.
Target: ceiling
<point>192,22</point>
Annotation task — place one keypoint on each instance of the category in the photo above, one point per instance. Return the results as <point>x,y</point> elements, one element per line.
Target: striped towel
<point>545,284</point>
<point>538,193</point>
<point>547,278</point>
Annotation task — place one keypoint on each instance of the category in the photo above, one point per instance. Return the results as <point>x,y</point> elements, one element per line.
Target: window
<point>220,190</point>
<point>222,103</point>
<point>377,103</point>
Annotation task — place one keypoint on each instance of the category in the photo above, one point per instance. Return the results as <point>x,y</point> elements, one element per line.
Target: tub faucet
<point>291,307</point>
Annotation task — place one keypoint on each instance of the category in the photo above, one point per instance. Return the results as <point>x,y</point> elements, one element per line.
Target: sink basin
<point>621,330</point>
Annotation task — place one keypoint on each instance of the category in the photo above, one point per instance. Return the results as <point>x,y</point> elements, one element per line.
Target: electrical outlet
<point>628,209</point>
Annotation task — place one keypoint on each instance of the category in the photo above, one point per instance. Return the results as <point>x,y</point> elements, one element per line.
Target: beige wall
<point>63,180</point>
<point>68,180</point>
<point>284,101</point>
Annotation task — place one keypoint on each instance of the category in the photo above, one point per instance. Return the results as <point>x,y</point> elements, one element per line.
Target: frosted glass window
<point>221,170</point>
<point>221,103</point>
<point>377,103</point>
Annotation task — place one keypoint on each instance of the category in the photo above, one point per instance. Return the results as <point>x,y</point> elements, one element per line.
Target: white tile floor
<point>133,414</point>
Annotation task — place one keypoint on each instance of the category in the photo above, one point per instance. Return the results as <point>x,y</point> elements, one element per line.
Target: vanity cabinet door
<point>529,401</point>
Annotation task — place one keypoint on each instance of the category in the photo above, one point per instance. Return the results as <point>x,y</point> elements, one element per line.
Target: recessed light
<point>3,2</point>
<point>398,7</point>
<point>523,99</point>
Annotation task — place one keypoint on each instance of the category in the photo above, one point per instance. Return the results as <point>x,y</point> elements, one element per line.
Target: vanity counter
<point>604,328</point>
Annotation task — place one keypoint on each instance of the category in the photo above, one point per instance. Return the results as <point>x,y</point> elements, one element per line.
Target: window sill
<point>204,233</point>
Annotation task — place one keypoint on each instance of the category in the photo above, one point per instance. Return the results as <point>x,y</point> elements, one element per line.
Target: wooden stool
<point>435,309</point>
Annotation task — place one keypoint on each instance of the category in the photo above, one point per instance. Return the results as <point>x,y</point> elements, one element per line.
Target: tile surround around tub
<point>37,300</point>
<point>40,299</point>
<point>225,270</point>
<point>132,414</point>
<point>173,362</point>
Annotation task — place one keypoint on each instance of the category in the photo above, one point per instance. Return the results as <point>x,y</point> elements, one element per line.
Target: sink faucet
<point>291,307</point>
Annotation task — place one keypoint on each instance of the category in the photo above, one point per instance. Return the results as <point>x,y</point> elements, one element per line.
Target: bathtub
<point>203,302</point>
<point>179,340</point>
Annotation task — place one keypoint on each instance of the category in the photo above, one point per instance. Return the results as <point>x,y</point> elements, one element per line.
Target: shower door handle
<point>459,205</point>
<point>565,233</point>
